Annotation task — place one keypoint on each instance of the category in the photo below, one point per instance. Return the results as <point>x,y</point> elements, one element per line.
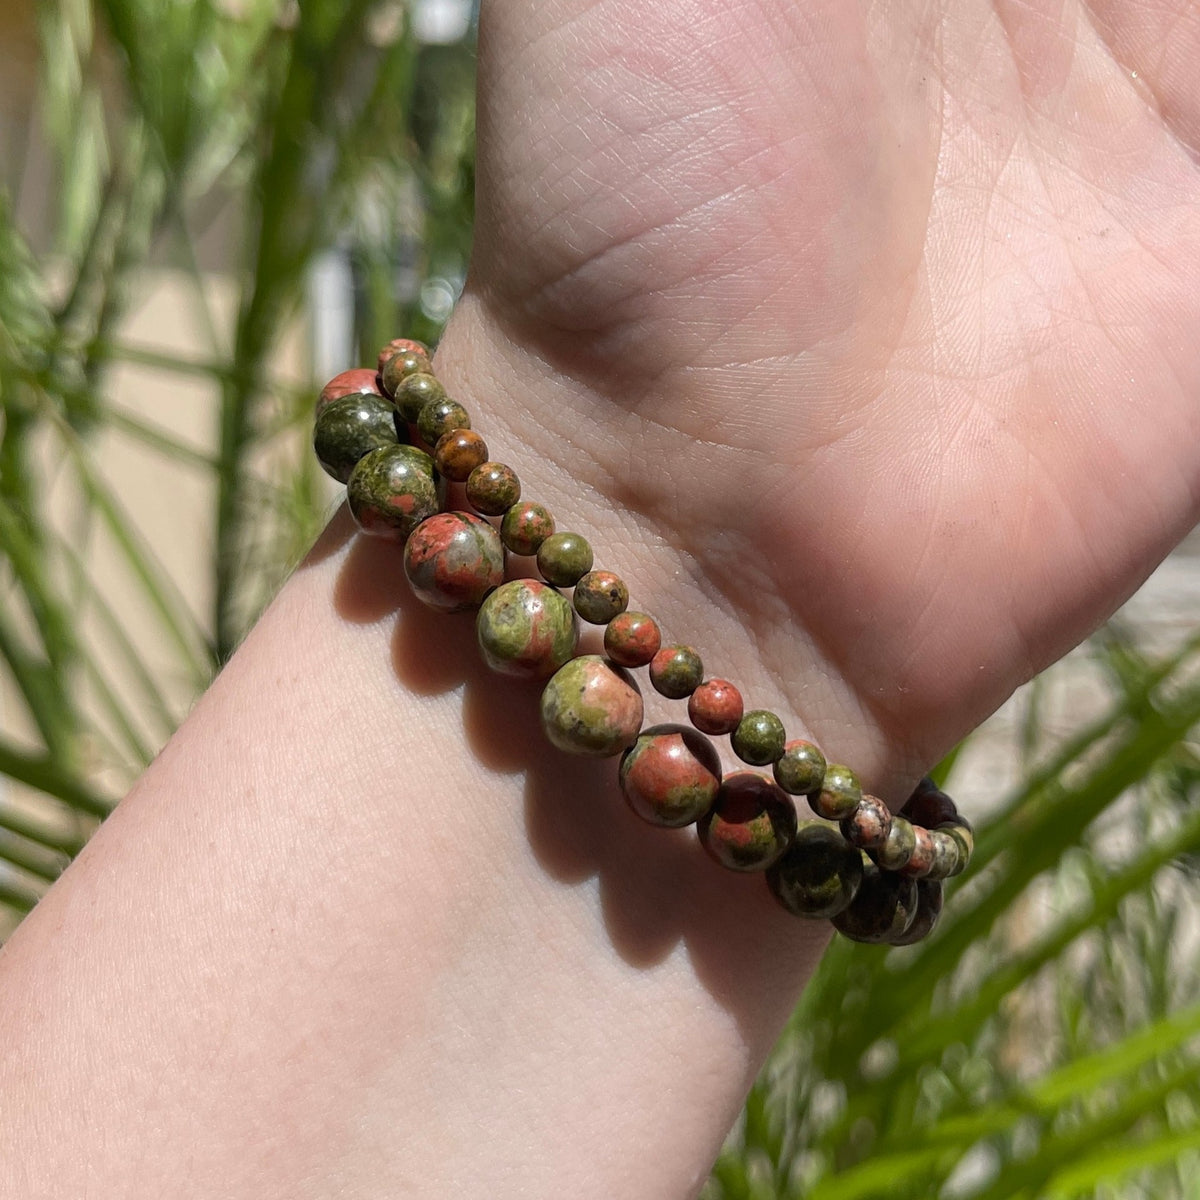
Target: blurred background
<point>207,207</point>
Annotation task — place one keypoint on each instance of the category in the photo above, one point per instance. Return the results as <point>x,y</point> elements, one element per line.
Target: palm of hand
<point>909,298</point>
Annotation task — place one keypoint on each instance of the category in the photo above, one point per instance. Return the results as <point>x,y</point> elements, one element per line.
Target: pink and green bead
<point>350,427</point>
<point>676,671</point>
<point>453,560</point>
<point>526,525</point>
<point>590,706</point>
<point>670,776</point>
<point>526,629</point>
<point>392,490</point>
<point>632,639</point>
<point>751,825</point>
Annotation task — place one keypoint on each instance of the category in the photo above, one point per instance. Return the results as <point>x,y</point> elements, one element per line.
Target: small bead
<point>392,490</point>
<point>670,776</point>
<point>929,909</point>
<point>751,825</point>
<point>493,488</point>
<point>564,559</point>
<point>715,707</point>
<point>438,417</point>
<point>882,909</point>
<point>929,806</point>
<point>632,639</point>
<point>759,737</point>
<point>899,846</point>
<point>458,453</point>
<point>400,367</point>
<point>526,526</point>
<point>414,392</point>
<point>962,833</point>
<point>945,856</point>
<point>526,629</point>
<point>358,382</point>
<point>801,769</point>
<point>839,795</point>
<point>676,671</point>
<point>819,875</point>
<point>599,596</point>
<point>453,560</point>
<point>591,707</point>
<point>869,825</point>
<point>348,428</point>
<point>920,862</point>
<point>400,346</point>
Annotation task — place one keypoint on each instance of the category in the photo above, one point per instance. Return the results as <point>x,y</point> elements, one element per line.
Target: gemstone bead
<point>632,639</point>
<point>759,737</point>
<point>526,526</point>
<point>839,795</point>
<point>402,366</point>
<point>670,775</point>
<point>751,824</point>
<point>898,846</point>
<point>920,861</point>
<point>820,873</point>
<point>929,806</point>
<point>599,596</point>
<point>929,909</point>
<point>438,417</point>
<point>401,346</point>
<point>359,382</point>
<point>453,560</point>
<point>676,671</point>
<point>801,768</point>
<point>882,909</point>
<point>715,707</point>
<point>564,559</point>
<point>392,490</point>
<point>414,392</point>
<point>945,855</point>
<point>348,428</point>
<point>869,825</point>
<point>458,453</point>
<point>526,629</point>
<point>962,833</point>
<point>493,488</point>
<point>591,707</point>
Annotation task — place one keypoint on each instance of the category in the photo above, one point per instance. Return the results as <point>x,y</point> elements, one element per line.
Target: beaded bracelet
<point>876,876</point>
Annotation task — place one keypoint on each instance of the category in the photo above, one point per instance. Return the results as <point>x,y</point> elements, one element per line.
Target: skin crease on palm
<point>907,294</point>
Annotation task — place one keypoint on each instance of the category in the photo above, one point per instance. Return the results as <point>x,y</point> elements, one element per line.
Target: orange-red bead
<point>715,707</point>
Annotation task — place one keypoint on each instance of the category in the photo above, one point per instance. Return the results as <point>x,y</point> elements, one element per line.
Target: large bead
<point>751,824</point>
<point>670,776</point>
<point>591,707</point>
<point>360,381</point>
<point>392,490</point>
<point>882,909</point>
<point>820,873</point>
<point>453,560</point>
<point>526,629</point>
<point>348,428</point>
<point>929,909</point>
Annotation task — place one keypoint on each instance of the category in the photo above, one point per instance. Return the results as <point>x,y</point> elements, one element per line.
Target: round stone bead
<point>591,707</point>
<point>526,629</point>
<point>400,367</point>
<point>564,559</point>
<point>526,526</point>
<point>820,873</point>
<point>899,845</point>
<point>348,428</point>
<point>676,671</point>
<point>453,560</point>
<point>670,775</point>
<point>759,737</point>
<point>929,806</point>
<point>458,453</point>
<point>493,488</point>
<point>715,707</point>
<point>413,393</point>
<point>945,855</point>
<point>438,417</point>
<point>800,770</point>
<point>599,596</point>
<point>392,490</point>
<point>920,861</point>
<point>964,836</point>
<point>869,825</point>
<point>839,795</point>
<point>882,909</point>
<point>359,382</point>
<point>401,346</point>
<point>751,824</point>
<point>929,909</point>
<point>632,639</point>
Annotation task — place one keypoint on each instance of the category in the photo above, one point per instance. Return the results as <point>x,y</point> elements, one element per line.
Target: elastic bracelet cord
<point>395,439</point>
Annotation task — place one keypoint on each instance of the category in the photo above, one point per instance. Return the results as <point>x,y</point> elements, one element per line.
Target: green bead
<point>758,738</point>
<point>350,427</point>
<point>676,671</point>
<point>801,768</point>
<point>599,596</point>
<point>964,836</point>
<point>564,559</point>
<point>820,873</point>
<point>945,855</point>
<point>526,526</point>
<point>591,707</point>
<point>439,417</point>
<point>493,488</point>
<point>526,629</point>
<point>840,794</point>
<point>899,845</point>
<point>929,909</point>
<point>882,909</point>
<point>414,392</point>
<point>400,367</point>
<point>392,490</point>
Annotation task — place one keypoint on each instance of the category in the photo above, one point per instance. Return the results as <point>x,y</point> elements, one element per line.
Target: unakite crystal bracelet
<point>396,439</point>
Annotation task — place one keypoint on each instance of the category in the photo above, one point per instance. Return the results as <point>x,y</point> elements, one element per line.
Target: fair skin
<point>861,341</point>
